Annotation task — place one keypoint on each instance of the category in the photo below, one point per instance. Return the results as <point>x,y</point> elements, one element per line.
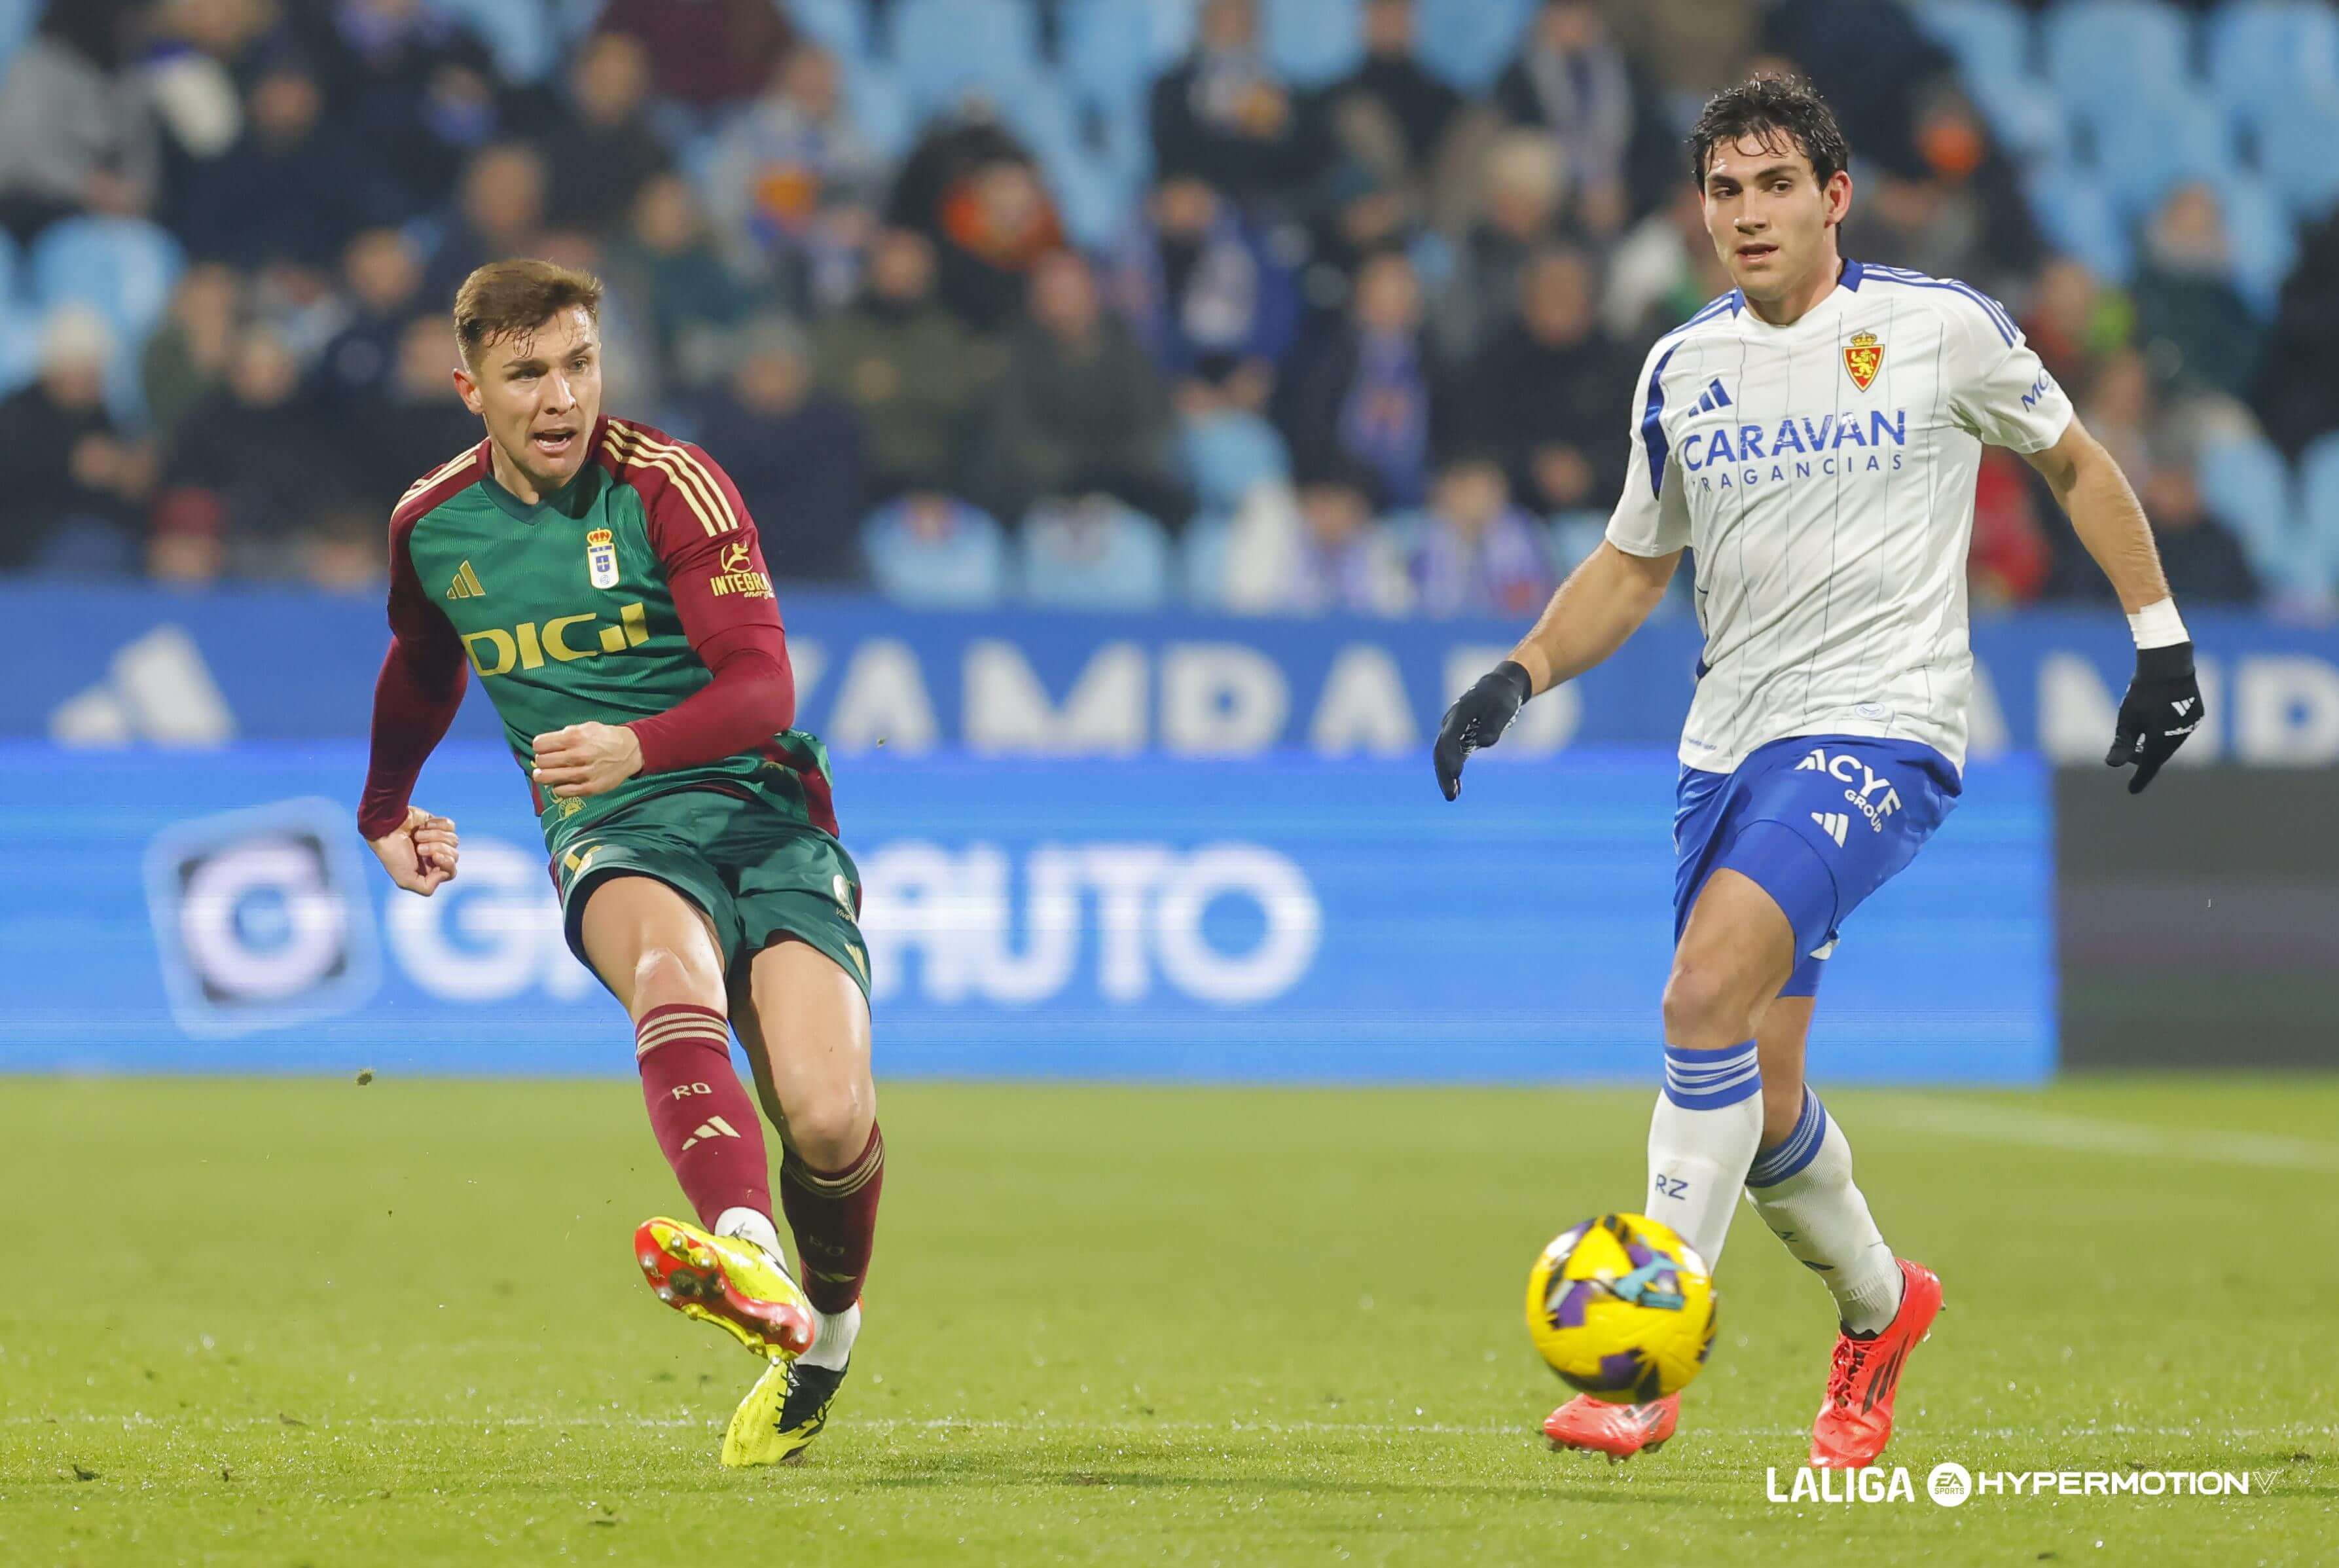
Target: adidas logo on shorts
<point>1833,824</point>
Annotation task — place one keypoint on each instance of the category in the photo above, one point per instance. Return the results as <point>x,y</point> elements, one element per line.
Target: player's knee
<point>665,973</point>
<point>1705,1006</point>
<point>829,1126</point>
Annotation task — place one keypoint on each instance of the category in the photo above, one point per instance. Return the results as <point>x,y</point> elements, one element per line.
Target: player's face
<point>539,393</point>
<point>1771,219</point>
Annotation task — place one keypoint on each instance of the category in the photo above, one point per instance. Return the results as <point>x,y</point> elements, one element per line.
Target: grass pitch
<point>284,1322</point>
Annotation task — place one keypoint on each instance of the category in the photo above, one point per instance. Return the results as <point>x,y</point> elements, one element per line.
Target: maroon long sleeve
<point>752,698</point>
<point>419,687</point>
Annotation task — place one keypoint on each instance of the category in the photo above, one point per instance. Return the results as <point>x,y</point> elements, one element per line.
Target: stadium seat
<point>2246,482</point>
<point>2264,241</point>
<point>881,111</point>
<point>943,47</point>
<point>961,565</point>
<point>2145,148</point>
<point>1574,535</point>
<point>17,20</point>
<point>2318,483</point>
<point>2075,210</point>
<point>2262,49</point>
<point>20,347</point>
<point>2296,137</point>
<point>1094,554</point>
<point>2103,54</point>
<point>1991,38</point>
<point>522,38</point>
<point>1203,562</point>
<point>124,267</point>
<point>1111,50</point>
<point>11,268</point>
<point>1313,42</point>
<point>839,26</point>
<point>1469,41</point>
<point>1228,452</point>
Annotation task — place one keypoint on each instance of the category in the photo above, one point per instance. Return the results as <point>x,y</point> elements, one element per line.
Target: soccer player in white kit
<point>1814,437</point>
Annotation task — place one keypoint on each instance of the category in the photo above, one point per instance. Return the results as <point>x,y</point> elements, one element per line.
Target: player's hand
<point>2162,705</point>
<point>586,759</point>
<point>1478,718</point>
<point>421,853</point>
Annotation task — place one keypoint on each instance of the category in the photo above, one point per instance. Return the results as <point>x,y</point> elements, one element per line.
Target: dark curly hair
<point>1783,113</point>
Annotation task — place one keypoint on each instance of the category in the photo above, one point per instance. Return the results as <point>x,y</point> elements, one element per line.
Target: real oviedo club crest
<point>1862,358</point>
<point>601,553</point>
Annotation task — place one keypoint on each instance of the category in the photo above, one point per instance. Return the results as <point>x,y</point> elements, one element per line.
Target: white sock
<point>1701,1139</point>
<point>831,1347</point>
<point>1803,1190</point>
<point>751,1225</point>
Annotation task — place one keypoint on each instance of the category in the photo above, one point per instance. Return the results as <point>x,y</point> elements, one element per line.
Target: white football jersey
<point>1823,474</point>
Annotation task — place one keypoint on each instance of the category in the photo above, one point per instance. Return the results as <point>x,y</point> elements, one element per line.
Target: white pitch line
<point>2052,1129</point>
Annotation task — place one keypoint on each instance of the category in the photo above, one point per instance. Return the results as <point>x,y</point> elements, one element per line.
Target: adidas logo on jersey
<point>713,1127</point>
<point>465,584</point>
<point>1833,824</point>
<point>1715,397</point>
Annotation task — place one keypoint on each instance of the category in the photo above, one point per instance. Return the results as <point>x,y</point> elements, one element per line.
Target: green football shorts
<point>760,876</point>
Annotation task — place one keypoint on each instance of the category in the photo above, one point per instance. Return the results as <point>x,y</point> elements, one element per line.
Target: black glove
<point>2162,705</point>
<point>1478,718</point>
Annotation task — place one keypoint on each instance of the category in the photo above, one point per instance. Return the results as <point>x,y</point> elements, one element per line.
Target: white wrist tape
<point>2158,626</point>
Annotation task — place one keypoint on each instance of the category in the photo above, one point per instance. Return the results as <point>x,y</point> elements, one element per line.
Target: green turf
<point>301,1322</point>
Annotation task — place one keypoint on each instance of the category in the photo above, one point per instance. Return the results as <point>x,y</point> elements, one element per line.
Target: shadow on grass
<point>976,1470</point>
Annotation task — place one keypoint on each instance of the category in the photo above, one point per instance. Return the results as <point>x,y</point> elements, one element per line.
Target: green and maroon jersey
<point>592,604</point>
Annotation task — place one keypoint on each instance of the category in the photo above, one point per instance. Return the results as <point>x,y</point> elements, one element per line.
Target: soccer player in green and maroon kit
<point>605,584</point>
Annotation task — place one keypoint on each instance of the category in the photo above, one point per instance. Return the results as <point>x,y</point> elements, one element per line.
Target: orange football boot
<point>1855,1420</point>
<point>1620,1431</point>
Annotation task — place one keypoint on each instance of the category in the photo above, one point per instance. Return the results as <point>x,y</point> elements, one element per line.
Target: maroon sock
<point>835,1217</point>
<point>705,1121</point>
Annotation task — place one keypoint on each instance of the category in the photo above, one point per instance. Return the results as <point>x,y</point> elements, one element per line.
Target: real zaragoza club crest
<point>1862,358</point>
<point>601,553</point>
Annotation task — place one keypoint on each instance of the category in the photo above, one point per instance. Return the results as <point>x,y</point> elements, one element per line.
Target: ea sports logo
<point>1949,1484</point>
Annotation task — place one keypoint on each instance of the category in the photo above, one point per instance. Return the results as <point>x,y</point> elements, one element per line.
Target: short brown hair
<point>504,299</point>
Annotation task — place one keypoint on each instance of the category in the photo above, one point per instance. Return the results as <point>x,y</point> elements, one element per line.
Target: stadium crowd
<point>1267,305</point>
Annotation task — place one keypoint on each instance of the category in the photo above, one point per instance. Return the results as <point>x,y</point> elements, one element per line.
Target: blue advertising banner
<point>1292,917</point>
<point>99,667</point>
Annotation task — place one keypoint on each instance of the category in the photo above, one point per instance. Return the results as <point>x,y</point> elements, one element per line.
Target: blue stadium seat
<point>1230,451</point>
<point>1313,42</point>
<point>1095,553</point>
<point>2145,148</point>
<point>1469,41</point>
<point>2296,136</point>
<point>2103,54</point>
<point>2264,241</point>
<point>1094,201</point>
<point>943,47</point>
<point>839,26</point>
<point>1574,535</point>
<point>124,267</point>
<point>1111,50</point>
<point>1202,561</point>
<point>10,268</point>
<point>964,567</point>
<point>1991,38</point>
<point>2245,481</point>
<point>881,111</point>
<point>17,18</point>
<point>520,37</point>
<point>2075,210</point>
<point>2260,49</point>
<point>2318,483</point>
<point>20,347</point>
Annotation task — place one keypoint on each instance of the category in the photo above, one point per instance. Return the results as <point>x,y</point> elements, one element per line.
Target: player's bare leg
<point>658,954</point>
<point>1801,1184</point>
<point>1735,952</point>
<point>806,1024</point>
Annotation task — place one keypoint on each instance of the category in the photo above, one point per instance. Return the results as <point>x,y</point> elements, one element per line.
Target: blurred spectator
<point>668,263</point>
<point>1525,183</point>
<point>1392,81</point>
<point>2074,321</point>
<point>1081,410</point>
<point>1366,394</point>
<point>1959,213</point>
<point>2296,397</point>
<point>383,279</point>
<point>499,213</point>
<point>416,421</point>
<point>1874,65</point>
<point>973,190</point>
<point>1317,553</point>
<point>68,475</point>
<point>187,357</point>
<point>1227,445</point>
<point>1549,399</point>
<point>1226,116</point>
<point>290,190</point>
<point>2200,554</point>
<point>706,53</point>
<point>794,451</point>
<point>1663,269</point>
<point>2010,557</point>
<point>907,368</point>
<point>2193,325</point>
<point>411,85</point>
<point>936,552</point>
<point>1572,81</point>
<point>793,186</point>
<point>597,162</point>
<point>1475,554</point>
<point>75,134</point>
<point>251,466</point>
<point>1200,283</point>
